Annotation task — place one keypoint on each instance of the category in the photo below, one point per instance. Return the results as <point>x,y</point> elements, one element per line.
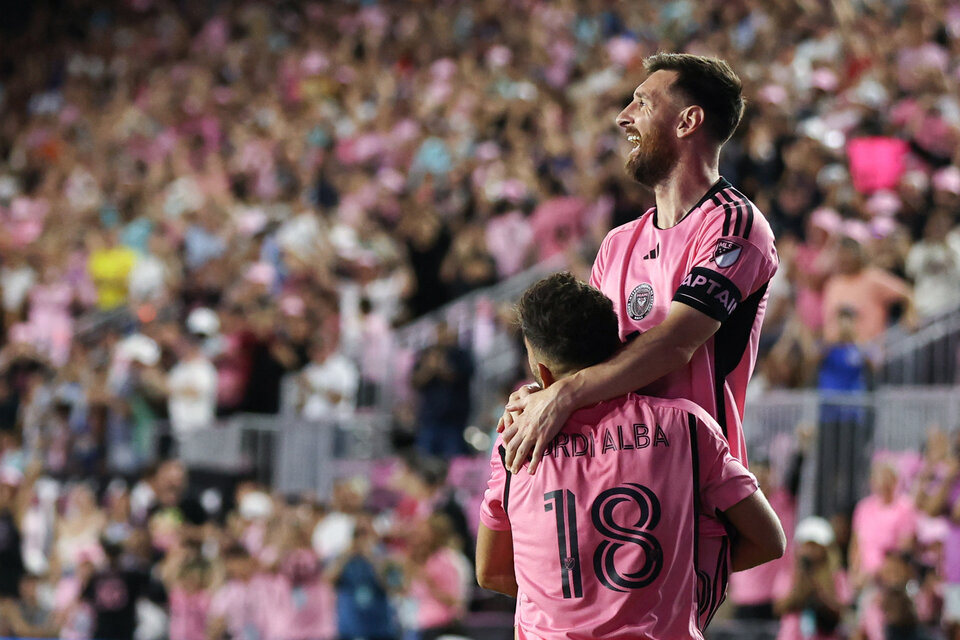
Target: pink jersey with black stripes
<point>605,534</point>
<point>718,259</point>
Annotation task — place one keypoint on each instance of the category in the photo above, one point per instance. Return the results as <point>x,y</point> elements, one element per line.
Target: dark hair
<point>710,83</point>
<point>568,321</point>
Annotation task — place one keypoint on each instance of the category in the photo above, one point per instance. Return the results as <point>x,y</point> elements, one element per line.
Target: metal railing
<point>850,430</point>
<point>288,453</point>
<point>294,455</point>
<point>927,356</point>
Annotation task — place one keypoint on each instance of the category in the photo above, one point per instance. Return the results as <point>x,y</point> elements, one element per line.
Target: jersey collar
<point>717,187</point>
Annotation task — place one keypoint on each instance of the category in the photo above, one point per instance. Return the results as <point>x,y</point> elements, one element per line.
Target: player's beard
<point>653,160</point>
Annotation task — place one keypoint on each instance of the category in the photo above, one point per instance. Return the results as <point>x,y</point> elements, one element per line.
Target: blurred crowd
<point>886,568</point>
<point>153,560</point>
<point>200,199</point>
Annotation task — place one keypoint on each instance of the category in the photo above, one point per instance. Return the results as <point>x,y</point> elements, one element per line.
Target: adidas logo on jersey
<point>654,253</point>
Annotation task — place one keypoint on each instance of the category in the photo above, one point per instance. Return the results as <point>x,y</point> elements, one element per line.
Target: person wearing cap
<point>813,595</point>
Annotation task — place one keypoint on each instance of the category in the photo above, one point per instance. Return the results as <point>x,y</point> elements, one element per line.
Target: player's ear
<point>546,376</point>
<point>691,120</point>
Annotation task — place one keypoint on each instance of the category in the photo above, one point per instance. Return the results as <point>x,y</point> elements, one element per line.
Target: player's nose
<point>624,120</point>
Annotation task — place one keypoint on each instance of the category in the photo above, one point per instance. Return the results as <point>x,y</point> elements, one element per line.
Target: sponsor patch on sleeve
<point>726,253</point>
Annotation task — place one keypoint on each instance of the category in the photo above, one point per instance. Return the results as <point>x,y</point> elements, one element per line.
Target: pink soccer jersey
<point>604,534</point>
<point>718,259</point>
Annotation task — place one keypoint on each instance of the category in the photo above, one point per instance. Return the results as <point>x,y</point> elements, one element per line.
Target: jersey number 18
<point>563,503</point>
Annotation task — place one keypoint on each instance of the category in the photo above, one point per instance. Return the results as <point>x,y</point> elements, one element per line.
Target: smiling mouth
<point>635,141</point>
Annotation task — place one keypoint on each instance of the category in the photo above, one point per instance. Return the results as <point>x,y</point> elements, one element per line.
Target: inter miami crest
<point>726,253</point>
<point>640,301</point>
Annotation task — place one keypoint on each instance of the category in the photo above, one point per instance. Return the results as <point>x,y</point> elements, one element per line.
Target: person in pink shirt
<point>310,609</point>
<point>190,602</point>
<point>869,291</point>
<point>241,609</point>
<point>602,541</point>
<point>812,595</point>
<point>893,599</point>
<point>885,520</point>
<point>439,576</point>
<point>812,266</point>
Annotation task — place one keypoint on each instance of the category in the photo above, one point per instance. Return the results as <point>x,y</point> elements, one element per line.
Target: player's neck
<point>683,188</point>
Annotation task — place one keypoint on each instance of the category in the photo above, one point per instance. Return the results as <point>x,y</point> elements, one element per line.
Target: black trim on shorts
<point>506,485</point>
<point>720,578</point>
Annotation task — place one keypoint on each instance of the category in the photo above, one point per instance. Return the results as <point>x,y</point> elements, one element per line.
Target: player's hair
<point>709,83</point>
<point>569,322</point>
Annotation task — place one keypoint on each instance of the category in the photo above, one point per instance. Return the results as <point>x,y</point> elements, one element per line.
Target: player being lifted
<point>688,278</point>
<point>601,542</point>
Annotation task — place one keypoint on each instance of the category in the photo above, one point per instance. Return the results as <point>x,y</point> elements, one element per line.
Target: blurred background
<point>257,262</point>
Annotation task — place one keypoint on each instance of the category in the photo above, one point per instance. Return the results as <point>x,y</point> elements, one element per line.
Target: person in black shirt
<point>442,378</point>
<point>112,593</point>
<point>15,491</point>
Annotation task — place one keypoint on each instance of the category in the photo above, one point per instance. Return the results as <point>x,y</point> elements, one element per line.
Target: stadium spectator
<point>883,521</point>
<point>814,593</point>
<point>362,579</point>
<point>28,616</point>
<point>438,578</point>
<point>442,376</point>
<point>870,292</point>
<point>12,509</point>
<point>112,593</point>
<point>328,384</point>
<point>934,266</point>
<point>192,389</point>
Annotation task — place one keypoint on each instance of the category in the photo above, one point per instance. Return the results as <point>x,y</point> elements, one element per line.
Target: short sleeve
<point>493,509</point>
<point>596,272</point>
<point>724,481</point>
<point>730,261</point>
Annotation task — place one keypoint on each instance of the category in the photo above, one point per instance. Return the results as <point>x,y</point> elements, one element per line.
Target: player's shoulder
<point>678,413</point>
<point>627,229</point>
<point>727,212</point>
<point>680,410</point>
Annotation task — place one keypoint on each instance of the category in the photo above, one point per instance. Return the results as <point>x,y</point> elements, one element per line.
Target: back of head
<point>568,322</point>
<point>707,82</point>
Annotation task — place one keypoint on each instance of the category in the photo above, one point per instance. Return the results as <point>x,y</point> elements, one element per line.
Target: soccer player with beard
<point>688,279</point>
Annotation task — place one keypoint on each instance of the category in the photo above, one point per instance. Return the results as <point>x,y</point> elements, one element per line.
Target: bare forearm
<point>505,584</point>
<point>746,555</point>
<point>644,360</point>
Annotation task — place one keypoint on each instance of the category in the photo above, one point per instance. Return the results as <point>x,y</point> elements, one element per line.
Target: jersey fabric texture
<point>605,533</point>
<point>718,259</point>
